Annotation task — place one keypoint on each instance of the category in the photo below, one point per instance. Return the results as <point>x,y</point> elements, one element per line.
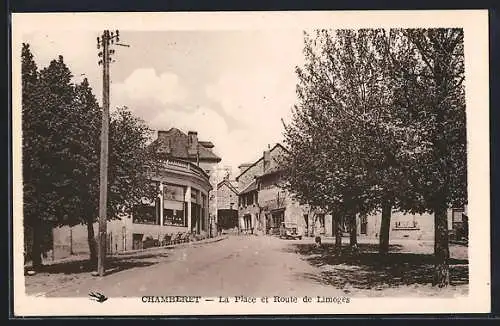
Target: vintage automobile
<point>289,232</point>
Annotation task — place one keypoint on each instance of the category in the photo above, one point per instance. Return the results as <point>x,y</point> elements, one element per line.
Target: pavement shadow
<point>113,265</point>
<point>367,269</point>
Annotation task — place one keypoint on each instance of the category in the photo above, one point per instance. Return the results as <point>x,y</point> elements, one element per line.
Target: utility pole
<point>107,38</point>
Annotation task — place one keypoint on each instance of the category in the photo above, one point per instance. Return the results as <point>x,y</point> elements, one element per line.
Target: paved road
<point>239,265</point>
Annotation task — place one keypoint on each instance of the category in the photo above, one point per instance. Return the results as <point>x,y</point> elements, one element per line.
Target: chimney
<point>192,143</point>
<point>267,160</point>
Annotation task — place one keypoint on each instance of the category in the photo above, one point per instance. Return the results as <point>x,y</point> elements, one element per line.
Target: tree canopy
<point>380,122</point>
<point>61,151</point>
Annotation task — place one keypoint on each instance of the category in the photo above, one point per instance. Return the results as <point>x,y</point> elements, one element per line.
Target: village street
<point>246,265</point>
<point>263,265</point>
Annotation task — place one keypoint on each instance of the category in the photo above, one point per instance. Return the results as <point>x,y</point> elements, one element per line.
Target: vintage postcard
<point>250,163</point>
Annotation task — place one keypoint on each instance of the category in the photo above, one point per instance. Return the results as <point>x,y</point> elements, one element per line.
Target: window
<point>457,215</point>
<point>194,195</point>
<point>203,211</point>
<point>364,224</point>
<point>144,214</point>
<point>173,217</point>
<point>173,192</point>
<point>173,205</point>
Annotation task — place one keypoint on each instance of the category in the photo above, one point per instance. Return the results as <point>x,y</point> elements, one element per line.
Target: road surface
<point>239,265</point>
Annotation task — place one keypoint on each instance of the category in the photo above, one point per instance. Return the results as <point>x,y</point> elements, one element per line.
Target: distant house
<point>227,204</point>
<point>264,206</point>
<point>184,184</point>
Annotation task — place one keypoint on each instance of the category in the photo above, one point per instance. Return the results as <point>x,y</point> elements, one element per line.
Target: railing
<point>185,167</point>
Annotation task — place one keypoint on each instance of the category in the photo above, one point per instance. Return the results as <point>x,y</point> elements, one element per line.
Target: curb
<point>179,245</point>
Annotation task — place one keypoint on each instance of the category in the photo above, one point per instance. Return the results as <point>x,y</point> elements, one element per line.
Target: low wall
<point>74,240</point>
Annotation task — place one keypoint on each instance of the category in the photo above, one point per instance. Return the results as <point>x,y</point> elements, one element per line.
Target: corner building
<point>184,184</point>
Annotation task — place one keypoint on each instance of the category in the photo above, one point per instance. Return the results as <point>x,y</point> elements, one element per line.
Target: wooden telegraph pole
<point>107,38</point>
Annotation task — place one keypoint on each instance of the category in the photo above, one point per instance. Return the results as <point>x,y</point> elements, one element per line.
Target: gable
<point>277,151</point>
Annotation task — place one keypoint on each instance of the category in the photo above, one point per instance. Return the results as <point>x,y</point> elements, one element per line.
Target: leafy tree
<point>61,152</point>
<point>437,108</point>
<point>383,117</point>
<point>46,101</point>
<point>84,159</point>
<point>30,98</point>
<point>322,128</point>
<point>131,162</point>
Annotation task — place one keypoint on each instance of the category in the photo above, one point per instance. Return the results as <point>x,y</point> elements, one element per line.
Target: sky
<point>232,87</point>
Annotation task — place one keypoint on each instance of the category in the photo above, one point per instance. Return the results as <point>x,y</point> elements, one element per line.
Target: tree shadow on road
<point>114,264</point>
<point>367,269</point>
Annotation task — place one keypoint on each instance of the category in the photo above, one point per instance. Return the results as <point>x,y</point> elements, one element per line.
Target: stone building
<point>263,204</point>
<point>227,204</point>
<point>183,183</point>
<point>414,226</point>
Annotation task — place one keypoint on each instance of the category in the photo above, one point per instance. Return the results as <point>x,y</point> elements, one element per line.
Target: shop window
<point>173,192</point>
<point>144,214</point>
<point>173,217</point>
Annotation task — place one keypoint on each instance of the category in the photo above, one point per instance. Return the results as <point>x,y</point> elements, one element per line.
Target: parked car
<point>289,233</point>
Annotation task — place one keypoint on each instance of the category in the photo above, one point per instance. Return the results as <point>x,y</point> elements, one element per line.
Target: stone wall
<point>225,196</point>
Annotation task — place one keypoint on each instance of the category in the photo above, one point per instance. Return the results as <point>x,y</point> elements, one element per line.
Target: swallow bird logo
<point>96,296</point>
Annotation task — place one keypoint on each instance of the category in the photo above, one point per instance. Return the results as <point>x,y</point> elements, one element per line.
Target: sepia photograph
<point>229,163</point>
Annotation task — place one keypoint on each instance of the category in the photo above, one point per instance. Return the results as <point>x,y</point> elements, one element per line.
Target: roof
<point>175,143</point>
<point>251,187</point>
<point>229,184</point>
<point>260,159</point>
<point>271,171</point>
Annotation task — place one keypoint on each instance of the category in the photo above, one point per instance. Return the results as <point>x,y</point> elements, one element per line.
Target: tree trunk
<point>36,249</point>
<point>441,249</point>
<point>353,239</point>
<point>338,234</point>
<point>92,243</point>
<point>385,226</point>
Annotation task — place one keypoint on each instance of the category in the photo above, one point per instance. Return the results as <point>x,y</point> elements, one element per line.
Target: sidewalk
<point>77,269</point>
<point>128,253</point>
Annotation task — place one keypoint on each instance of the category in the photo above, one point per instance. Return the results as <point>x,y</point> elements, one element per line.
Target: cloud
<point>248,77</point>
<point>258,99</point>
<point>144,83</point>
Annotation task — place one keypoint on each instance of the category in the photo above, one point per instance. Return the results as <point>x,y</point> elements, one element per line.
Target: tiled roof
<point>175,143</point>
<point>271,171</point>
<point>251,187</point>
<point>261,158</point>
<point>229,184</point>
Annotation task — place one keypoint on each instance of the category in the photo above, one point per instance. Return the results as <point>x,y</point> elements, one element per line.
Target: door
<point>137,241</point>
